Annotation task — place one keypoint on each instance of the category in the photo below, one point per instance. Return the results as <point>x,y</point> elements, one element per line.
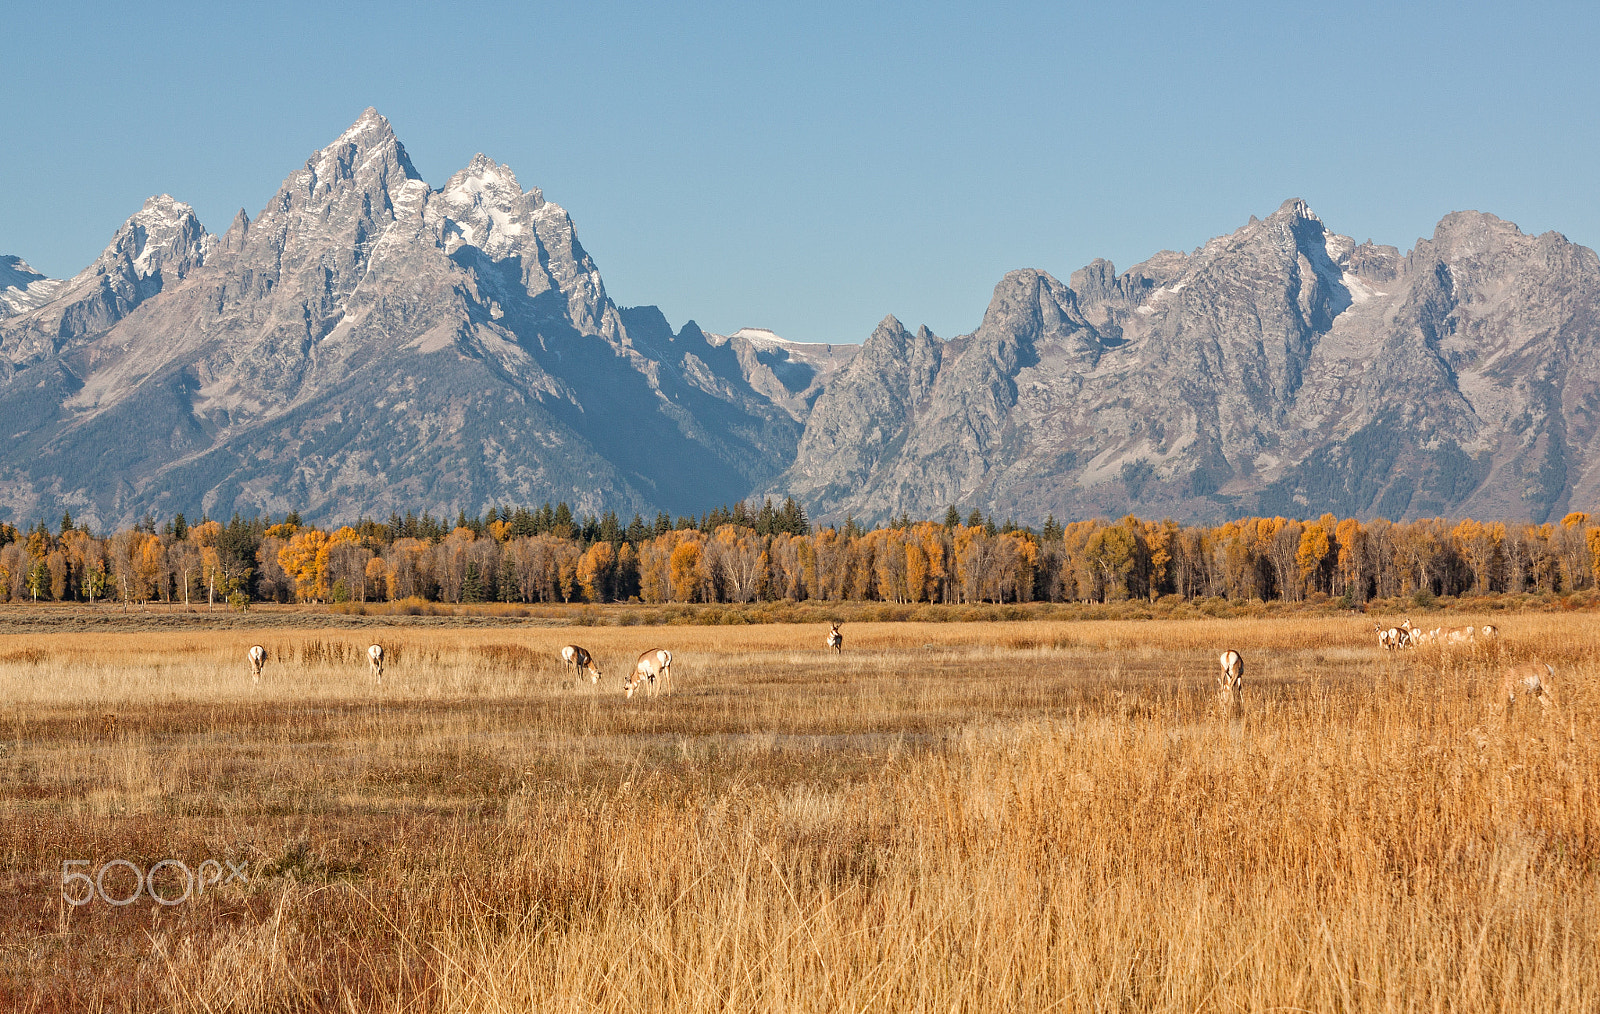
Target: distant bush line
<point>754,554</point>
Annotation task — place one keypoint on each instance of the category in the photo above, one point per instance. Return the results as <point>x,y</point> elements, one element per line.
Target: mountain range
<point>368,344</point>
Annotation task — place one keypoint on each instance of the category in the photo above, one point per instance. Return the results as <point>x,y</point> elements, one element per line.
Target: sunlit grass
<point>1018,816</point>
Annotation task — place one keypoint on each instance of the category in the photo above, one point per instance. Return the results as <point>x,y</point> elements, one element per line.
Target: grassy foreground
<point>983,817</point>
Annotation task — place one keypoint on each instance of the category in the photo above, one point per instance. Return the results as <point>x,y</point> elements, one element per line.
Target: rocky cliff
<point>1280,369</point>
<point>365,344</point>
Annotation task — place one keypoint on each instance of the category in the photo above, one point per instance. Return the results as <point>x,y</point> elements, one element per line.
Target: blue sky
<point>810,168</point>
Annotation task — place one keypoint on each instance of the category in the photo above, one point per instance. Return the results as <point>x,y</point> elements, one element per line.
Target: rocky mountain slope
<point>1280,369</point>
<point>368,343</point>
<point>365,344</point>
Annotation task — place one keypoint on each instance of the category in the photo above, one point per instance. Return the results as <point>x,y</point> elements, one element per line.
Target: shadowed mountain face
<point>365,344</point>
<point>1281,370</point>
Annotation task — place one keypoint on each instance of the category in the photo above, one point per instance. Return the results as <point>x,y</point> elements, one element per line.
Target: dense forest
<point>766,552</point>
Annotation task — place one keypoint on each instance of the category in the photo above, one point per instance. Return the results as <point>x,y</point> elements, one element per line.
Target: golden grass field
<point>1039,816</point>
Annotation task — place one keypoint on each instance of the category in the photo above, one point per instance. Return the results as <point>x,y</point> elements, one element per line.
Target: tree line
<point>772,552</point>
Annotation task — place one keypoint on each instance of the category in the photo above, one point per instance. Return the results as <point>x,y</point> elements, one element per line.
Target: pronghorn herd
<point>1529,680</point>
<point>1408,636</point>
<point>652,666</point>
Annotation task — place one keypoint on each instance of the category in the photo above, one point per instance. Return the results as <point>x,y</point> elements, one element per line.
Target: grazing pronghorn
<point>580,661</point>
<point>258,658</point>
<point>1459,635</point>
<point>1230,683</point>
<point>1489,631</point>
<point>1528,680</point>
<point>650,665</point>
<point>836,640</point>
<point>375,657</point>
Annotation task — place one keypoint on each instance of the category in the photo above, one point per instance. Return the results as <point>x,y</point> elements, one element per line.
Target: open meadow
<point>1031,815</point>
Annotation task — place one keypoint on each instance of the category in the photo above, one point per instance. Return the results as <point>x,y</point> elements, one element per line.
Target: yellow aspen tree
<point>685,571</point>
<point>931,540</point>
<point>1316,546</point>
<point>1592,536</point>
<point>1351,539</point>
<point>594,571</point>
<point>299,559</point>
<point>916,571</point>
<point>380,579</point>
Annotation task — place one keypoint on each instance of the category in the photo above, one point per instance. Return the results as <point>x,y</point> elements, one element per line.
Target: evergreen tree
<point>461,519</point>
<point>610,529</point>
<point>975,519</point>
<point>637,532</point>
<point>472,584</point>
<point>989,528</point>
<point>522,523</point>
<point>507,585</point>
<point>951,518</point>
<point>561,523</point>
<point>292,519</point>
<point>851,529</point>
<point>180,527</point>
<point>66,521</point>
<point>767,519</point>
<point>663,523</point>
<point>1052,531</point>
<point>792,518</point>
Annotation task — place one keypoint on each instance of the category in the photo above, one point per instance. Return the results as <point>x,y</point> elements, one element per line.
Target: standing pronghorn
<point>1230,683</point>
<point>1528,680</point>
<point>580,661</point>
<point>836,640</point>
<point>375,657</point>
<point>1388,637</point>
<point>650,665</point>
<point>258,658</point>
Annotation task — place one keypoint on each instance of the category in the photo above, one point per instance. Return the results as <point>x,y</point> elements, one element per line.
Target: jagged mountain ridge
<point>1282,369</point>
<point>368,344</point>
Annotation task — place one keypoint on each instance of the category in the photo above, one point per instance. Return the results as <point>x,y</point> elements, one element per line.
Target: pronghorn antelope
<point>1489,631</point>
<point>580,661</point>
<point>836,640</point>
<point>650,665</point>
<point>375,657</point>
<point>1458,635</point>
<point>1230,682</point>
<point>1393,638</point>
<point>1528,680</point>
<point>258,658</point>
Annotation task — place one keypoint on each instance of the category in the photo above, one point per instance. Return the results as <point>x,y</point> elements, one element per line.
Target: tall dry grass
<point>1019,817</point>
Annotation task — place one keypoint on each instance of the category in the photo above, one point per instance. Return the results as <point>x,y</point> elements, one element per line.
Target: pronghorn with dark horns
<point>581,662</point>
<point>836,640</point>
<point>652,664</point>
<point>258,658</point>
